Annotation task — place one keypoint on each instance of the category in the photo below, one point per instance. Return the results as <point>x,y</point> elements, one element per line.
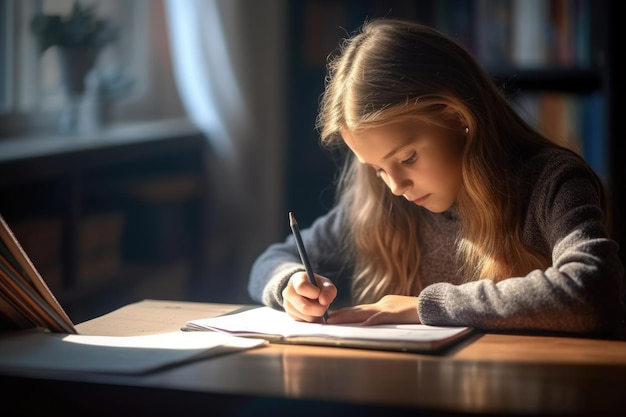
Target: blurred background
<point>153,148</point>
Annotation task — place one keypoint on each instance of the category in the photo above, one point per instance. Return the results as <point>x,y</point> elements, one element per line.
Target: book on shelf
<point>530,37</point>
<point>277,327</point>
<point>575,121</point>
<point>521,34</point>
<point>37,334</point>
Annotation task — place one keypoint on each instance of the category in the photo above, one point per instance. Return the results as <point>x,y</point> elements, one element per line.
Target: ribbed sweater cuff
<point>273,292</point>
<point>431,307</point>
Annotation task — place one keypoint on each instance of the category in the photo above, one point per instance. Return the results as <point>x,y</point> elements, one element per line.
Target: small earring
<point>466,130</point>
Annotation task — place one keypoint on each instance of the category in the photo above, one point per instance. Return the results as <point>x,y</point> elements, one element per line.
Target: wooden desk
<point>489,374</point>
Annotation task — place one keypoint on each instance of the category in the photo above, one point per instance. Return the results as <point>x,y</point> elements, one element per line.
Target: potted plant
<point>79,37</point>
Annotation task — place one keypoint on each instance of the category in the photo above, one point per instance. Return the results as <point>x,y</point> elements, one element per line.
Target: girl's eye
<point>410,159</point>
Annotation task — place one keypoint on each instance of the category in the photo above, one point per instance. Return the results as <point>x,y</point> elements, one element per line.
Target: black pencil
<point>303,256</point>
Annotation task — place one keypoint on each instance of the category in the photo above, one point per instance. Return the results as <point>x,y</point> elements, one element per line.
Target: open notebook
<point>277,327</point>
<point>36,333</point>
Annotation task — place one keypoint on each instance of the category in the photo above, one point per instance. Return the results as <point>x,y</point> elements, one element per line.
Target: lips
<point>420,201</point>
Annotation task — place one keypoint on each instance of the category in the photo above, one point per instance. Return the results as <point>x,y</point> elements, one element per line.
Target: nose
<point>398,184</point>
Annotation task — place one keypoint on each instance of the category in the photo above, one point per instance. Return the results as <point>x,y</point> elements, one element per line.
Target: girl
<point>451,209</point>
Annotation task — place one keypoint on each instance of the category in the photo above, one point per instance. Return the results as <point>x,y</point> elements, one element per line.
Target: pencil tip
<point>292,219</point>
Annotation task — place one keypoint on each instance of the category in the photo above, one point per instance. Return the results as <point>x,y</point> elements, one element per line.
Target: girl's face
<point>422,165</point>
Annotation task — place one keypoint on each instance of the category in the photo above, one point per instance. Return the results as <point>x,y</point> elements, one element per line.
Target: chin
<point>438,208</point>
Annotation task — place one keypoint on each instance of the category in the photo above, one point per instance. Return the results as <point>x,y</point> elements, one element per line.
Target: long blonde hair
<point>394,69</point>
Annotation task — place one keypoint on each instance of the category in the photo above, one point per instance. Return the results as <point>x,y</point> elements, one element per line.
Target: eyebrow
<point>397,149</point>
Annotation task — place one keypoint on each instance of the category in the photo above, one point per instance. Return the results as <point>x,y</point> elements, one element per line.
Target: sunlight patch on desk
<point>44,351</point>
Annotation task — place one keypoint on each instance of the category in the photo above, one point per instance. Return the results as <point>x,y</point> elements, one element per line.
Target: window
<point>6,53</point>
<point>31,94</point>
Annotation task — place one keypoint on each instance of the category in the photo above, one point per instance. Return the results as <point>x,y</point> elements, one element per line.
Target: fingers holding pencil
<point>307,265</point>
<point>304,301</point>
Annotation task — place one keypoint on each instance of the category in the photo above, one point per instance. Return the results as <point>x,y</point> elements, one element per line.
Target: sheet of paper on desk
<point>41,350</point>
<point>277,326</point>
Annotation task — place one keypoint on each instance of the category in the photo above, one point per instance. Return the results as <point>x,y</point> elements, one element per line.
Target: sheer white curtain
<point>204,73</point>
<point>228,60</point>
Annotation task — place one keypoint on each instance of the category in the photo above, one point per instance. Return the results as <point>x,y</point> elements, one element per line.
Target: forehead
<point>378,143</point>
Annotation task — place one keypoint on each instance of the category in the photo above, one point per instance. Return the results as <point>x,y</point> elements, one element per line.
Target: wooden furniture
<point>487,374</point>
<point>111,217</point>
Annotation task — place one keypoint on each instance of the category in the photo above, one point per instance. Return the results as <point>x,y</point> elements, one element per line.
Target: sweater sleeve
<point>323,242</point>
<point>580,292</point>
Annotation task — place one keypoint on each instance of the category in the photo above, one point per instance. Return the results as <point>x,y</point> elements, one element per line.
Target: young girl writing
<point>451,209</point>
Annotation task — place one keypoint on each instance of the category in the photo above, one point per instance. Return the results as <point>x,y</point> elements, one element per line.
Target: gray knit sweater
<point>580,292</point>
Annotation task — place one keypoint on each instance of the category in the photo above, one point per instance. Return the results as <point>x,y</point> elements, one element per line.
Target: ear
<point>459,123</point>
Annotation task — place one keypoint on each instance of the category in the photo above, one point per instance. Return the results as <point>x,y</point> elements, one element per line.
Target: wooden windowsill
<point>23,148</point>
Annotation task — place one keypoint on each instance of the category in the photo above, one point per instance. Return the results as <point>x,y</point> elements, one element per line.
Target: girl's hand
<point>304,301</point>
<point>391,309</point>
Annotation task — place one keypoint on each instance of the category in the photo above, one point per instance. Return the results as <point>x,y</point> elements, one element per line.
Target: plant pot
<point>75,66</point>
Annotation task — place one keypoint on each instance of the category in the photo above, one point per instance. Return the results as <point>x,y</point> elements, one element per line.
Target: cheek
<point>452,167</point>
<point>445,172</point>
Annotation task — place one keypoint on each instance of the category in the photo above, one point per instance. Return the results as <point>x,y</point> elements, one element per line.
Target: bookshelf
<point>111,217</point>
<point>549,56</point>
